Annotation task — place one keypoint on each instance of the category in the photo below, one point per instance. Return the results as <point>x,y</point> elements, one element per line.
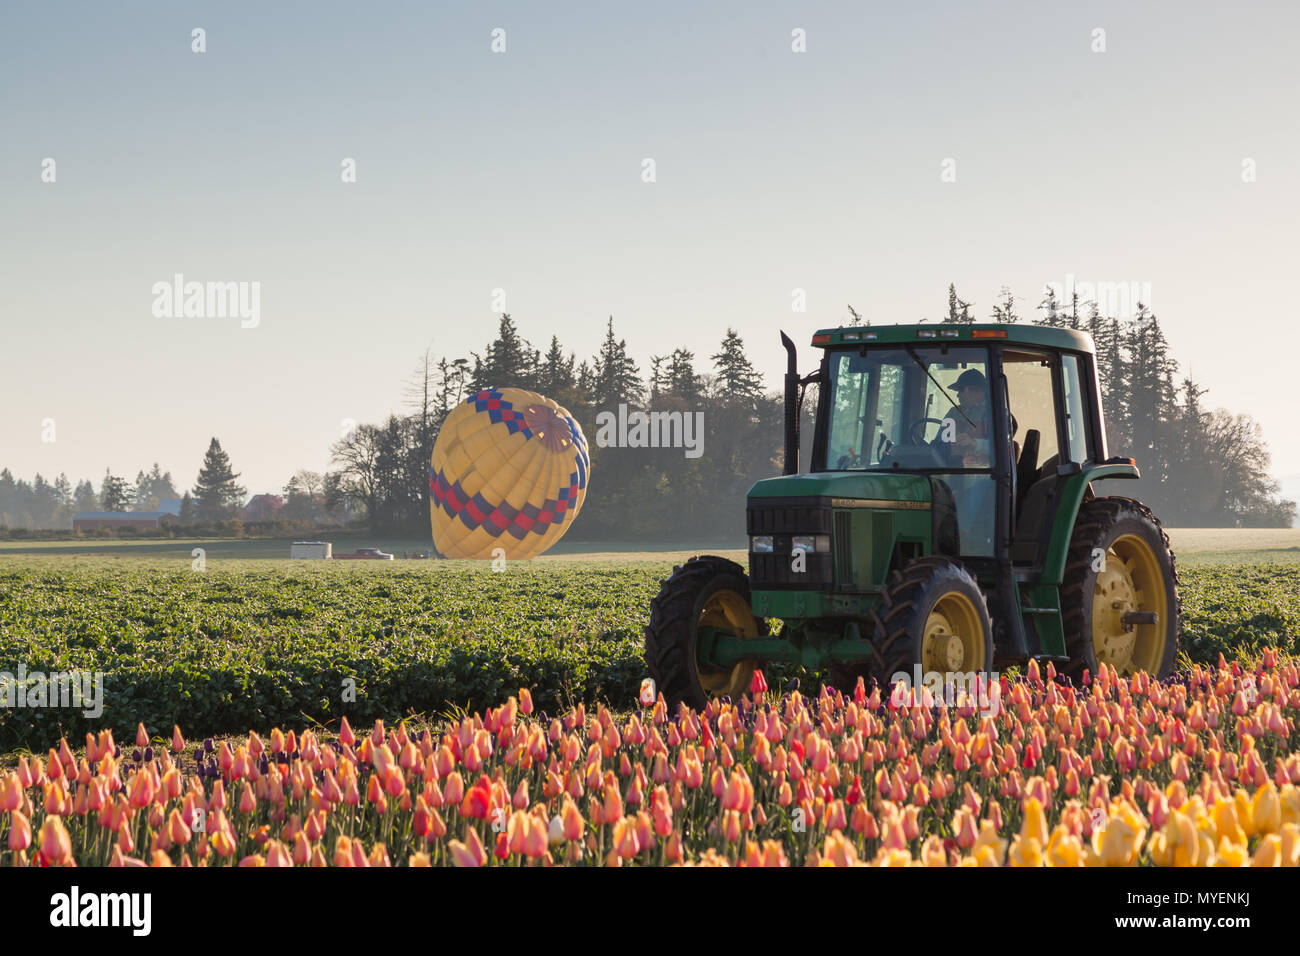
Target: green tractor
<point>947,525</point>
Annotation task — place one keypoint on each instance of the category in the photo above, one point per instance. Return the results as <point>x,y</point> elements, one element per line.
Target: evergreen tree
<point>8,502</point>
<point>142,494</point>
<point>682,380</point>
<point>658,377</point>
<point>216,493</point>
<point>586,379</point>
<point>84,498</point>
<point>1004,310</point>
<point>62,501</point>
<point>1095,327</point>
<point>509,361</point>
<point>160,485</point>
<point>1150,389</point>
<point>1051,309</point>
<point>1115,396</point>
<point>614,376</point>
<point>555,374</point>
<point>737,380</point>
<point>114,493</point>
<point>958,310</point>
<point>44,503</point>
<point>188,510</point>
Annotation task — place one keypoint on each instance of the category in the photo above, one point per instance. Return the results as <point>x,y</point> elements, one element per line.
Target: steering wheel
<point>912,436</point>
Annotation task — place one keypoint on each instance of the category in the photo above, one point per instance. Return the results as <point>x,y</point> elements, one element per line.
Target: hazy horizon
<point>823,171</point>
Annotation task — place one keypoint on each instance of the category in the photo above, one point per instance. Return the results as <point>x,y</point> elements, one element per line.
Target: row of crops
<point>230,650</point>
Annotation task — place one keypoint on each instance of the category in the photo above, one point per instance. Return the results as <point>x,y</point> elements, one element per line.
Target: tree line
<point>635,493</point>
<point>1200,466</point>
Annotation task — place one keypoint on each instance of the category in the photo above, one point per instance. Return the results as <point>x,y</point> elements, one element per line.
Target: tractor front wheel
<point>706,591</point>
<point>1119,597</point>
<point>933,614</point>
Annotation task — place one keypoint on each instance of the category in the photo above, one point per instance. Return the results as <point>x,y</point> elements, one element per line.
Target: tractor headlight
<point>761,544</point>
<point>810,543</point>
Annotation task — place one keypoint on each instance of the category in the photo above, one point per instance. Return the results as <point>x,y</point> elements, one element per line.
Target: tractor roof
<point>1039,335</point>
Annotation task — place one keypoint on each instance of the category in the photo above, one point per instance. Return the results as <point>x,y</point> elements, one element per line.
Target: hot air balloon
<point>509,471</point>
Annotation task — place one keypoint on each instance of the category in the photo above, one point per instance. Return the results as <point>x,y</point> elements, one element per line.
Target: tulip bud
<point>55,843</point>
<point>20,831</point>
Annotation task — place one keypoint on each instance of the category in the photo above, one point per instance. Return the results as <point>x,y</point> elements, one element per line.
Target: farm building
<point>262,508</point>
<point>142,520</point>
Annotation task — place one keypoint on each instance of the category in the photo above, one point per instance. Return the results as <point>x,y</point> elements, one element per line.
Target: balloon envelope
<point>509,471</point>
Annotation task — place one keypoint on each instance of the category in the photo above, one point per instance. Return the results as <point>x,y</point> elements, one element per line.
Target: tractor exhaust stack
<point>791,407</point>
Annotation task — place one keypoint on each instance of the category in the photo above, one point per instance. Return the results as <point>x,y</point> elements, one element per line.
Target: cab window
<point>1076,421</point>
<point>1031,395</point>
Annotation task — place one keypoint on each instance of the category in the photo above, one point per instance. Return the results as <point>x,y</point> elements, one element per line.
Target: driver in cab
<point>964,437</point>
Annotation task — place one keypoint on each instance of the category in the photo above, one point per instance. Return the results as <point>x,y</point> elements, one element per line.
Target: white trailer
<point>312,550</point>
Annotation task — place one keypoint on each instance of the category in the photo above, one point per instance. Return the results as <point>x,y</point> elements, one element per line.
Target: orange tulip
<point>55,843</point>
<point>20,831</point>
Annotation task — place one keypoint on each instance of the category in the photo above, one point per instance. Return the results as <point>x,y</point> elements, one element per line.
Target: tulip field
<point>496,722</point>
<point>1194,772</point>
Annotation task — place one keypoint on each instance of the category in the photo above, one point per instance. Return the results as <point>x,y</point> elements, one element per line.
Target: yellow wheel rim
<point>1131,580</point>
<point>954,638</point>
<point>729,611</point>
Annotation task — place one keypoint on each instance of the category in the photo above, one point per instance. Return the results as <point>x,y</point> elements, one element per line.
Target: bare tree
<point>359,481</point>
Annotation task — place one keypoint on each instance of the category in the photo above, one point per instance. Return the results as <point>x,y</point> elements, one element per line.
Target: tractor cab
<point>982,417</point>
<point>947,523</point>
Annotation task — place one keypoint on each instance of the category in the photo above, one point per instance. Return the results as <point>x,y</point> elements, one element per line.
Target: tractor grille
<point>783,519</point>
<point>842,541</point>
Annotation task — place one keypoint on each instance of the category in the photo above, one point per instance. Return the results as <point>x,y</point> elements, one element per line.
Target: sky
<point>905,147</point>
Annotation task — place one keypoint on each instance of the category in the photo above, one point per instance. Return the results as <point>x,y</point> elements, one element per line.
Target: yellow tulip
<point>1269,852</point>
<point>1244,816</point>
<point>932,852</point>
<point>1232,853</point>
<point>990,844</point>
<point>892,858</point>
<point>1266,809</point>
<point>1289,798</point>
<point>1227,826</point>
<point>1026,851</point>
<point>1289,849</point>
<point>1035,823</point>
<point>1119,839</point>
<point>1064,848</point>
<point>1177,843</point>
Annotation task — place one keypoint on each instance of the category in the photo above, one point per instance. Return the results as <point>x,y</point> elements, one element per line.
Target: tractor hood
<point>890,490</point>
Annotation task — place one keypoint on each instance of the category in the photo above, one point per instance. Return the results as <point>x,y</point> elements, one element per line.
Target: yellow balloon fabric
<point>509,471</point>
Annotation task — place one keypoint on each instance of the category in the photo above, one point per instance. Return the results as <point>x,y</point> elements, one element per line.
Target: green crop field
<point>248,644</point>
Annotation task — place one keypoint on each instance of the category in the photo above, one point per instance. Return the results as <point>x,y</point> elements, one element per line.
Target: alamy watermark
<point>1115,300</point>
<point>38,690</point>
<point>651,430</point>
<point>208,300</point>
<point>980,689</point>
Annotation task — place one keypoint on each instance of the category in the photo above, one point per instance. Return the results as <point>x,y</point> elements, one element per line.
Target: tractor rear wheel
<point>1119,572</point>
<point>705,591</point>
<point>934,614</point>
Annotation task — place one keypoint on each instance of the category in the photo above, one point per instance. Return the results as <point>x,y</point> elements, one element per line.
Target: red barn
<point>262,508</point>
